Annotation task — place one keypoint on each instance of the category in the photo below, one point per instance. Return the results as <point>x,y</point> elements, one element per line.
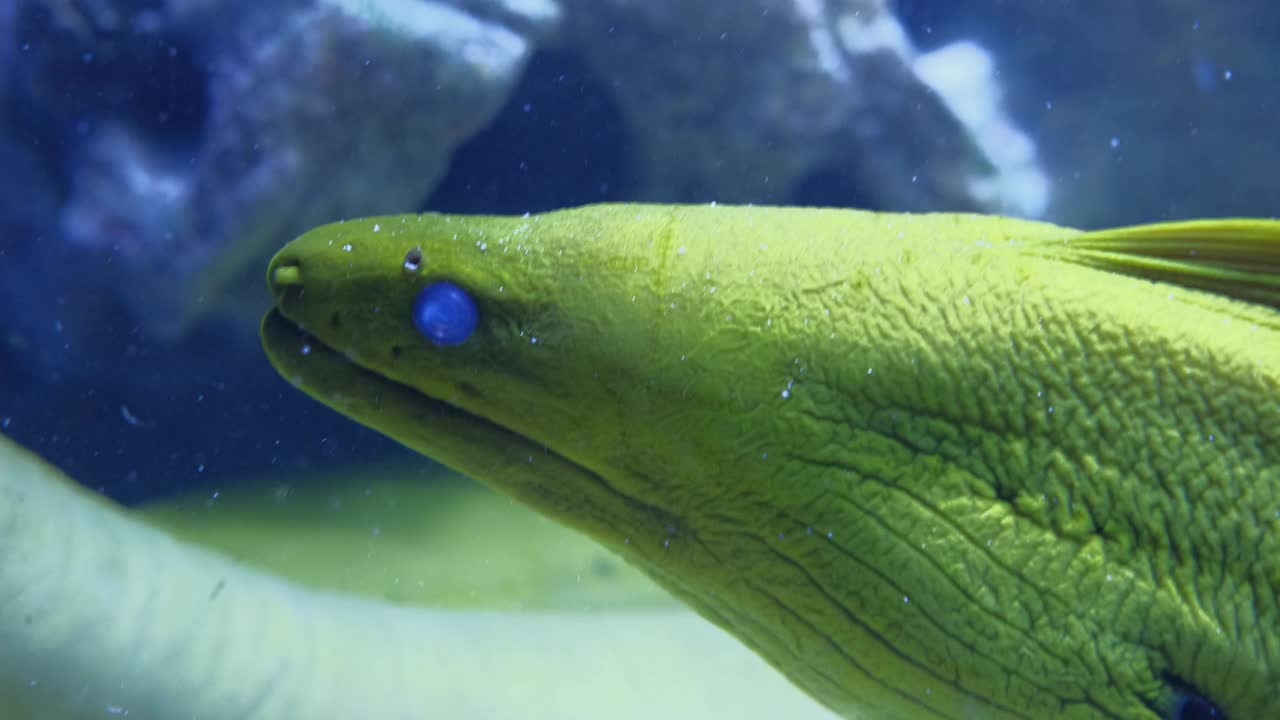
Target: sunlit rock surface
<point>739,104</point>
<point>1141,112</point>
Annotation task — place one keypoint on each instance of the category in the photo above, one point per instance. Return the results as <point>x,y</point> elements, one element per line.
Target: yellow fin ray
<point>1237,258</point>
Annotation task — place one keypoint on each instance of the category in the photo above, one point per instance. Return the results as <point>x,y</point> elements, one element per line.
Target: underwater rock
<point>1142,111</point>
<point>194,136</point>
<point>536,18</point>
<point>300,112</point>
<point>733,105</point>
<point>964,75</point>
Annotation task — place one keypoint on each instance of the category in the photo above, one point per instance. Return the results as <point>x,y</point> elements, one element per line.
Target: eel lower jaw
<point>514,464</point>
<point>502,458</point>
<point>436,428</point>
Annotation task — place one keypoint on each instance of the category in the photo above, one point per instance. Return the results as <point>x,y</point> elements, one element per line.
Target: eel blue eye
<point>445,313</point>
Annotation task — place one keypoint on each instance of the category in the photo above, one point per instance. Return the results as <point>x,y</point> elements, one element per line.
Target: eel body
<point>930,466</point>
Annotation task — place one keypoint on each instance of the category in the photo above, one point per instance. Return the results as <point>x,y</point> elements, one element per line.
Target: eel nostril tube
<point>287,276</point>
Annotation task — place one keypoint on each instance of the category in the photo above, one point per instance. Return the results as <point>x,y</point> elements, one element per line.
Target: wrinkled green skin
<point>999,483</point>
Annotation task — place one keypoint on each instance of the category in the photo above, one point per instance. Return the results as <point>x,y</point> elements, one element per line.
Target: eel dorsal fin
<point>1238,258</point>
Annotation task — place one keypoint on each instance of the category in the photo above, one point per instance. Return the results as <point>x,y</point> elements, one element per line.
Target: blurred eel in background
<point>385,594</point>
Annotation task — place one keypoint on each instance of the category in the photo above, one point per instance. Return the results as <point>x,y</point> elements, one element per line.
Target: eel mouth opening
<point>473,445</point>
<point>428,425</point>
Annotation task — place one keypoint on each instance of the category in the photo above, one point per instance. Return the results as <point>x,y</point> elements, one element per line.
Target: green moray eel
<point>223,607</point>
<point>927,466</point>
